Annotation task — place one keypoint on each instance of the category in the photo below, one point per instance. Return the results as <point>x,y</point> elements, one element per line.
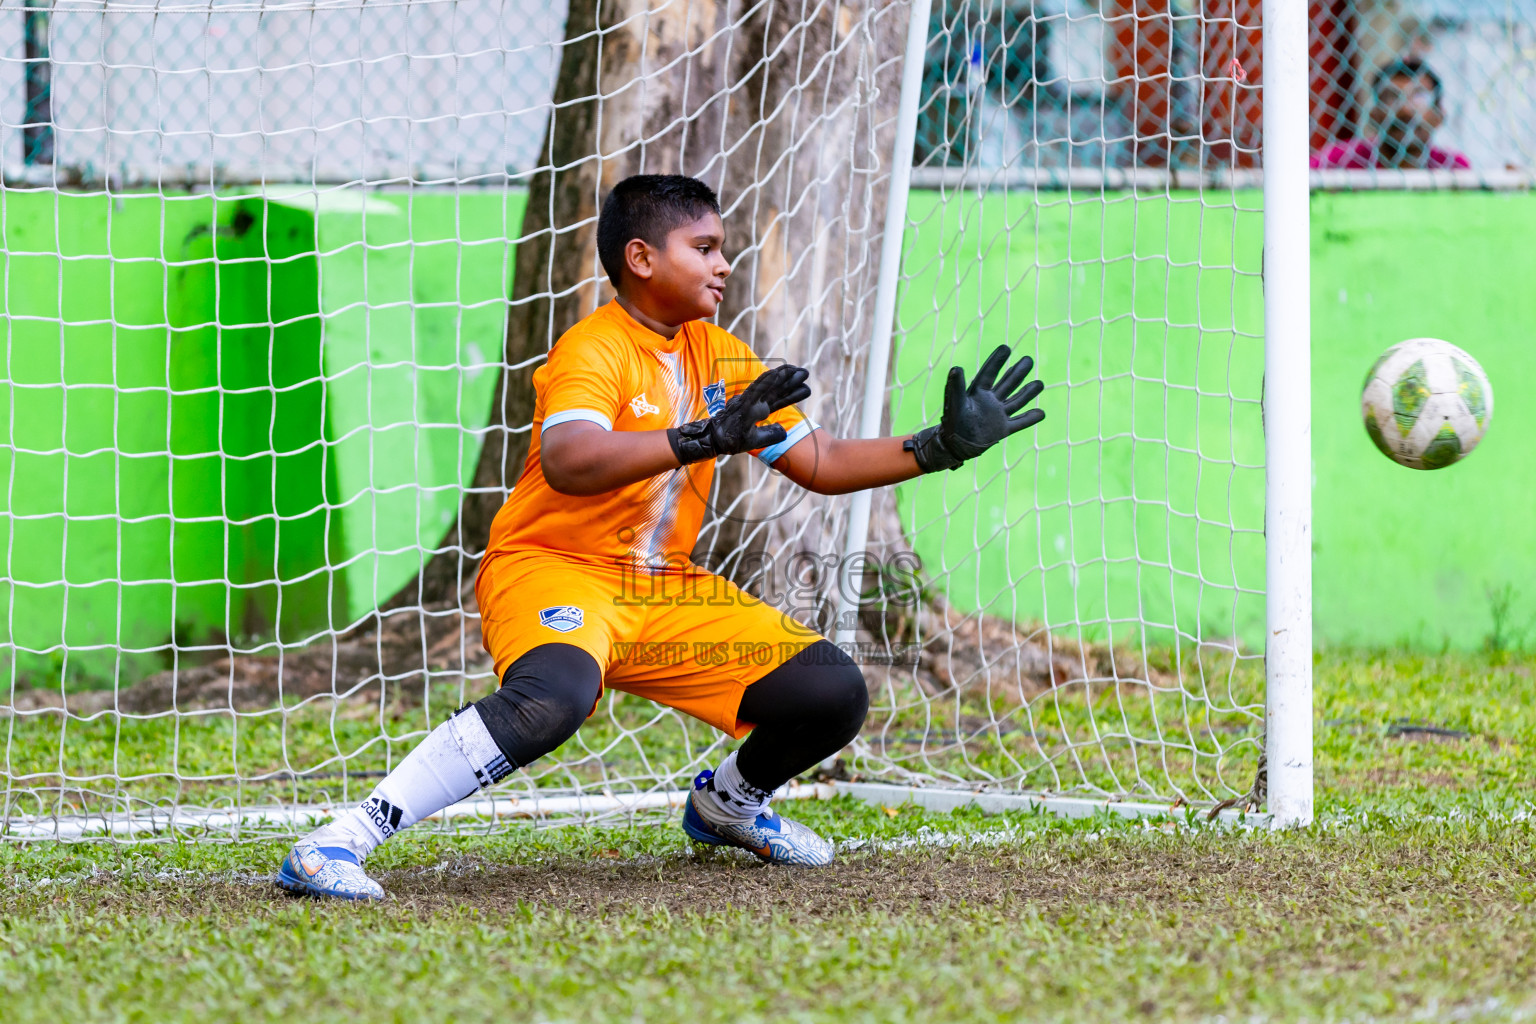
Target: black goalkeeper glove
<point>737,428</point>
<point>977,417</point>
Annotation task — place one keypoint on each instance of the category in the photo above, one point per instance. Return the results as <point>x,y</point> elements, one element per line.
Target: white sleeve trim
<point>771,453</point>
<point>589,415</point>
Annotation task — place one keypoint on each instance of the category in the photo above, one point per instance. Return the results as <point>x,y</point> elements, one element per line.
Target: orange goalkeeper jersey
<point>610,370</point>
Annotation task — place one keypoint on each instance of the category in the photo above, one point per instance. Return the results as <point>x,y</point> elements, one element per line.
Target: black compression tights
<point>804,711</point>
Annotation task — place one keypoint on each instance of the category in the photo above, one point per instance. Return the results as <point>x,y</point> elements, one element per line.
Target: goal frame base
<point>489,810</point>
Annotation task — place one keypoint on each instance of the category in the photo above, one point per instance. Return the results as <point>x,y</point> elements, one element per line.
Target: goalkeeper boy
<point>588,558</point>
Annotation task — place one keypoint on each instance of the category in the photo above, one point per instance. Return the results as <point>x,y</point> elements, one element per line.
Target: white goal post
<point>258,288</point>
<point>1287,413</point>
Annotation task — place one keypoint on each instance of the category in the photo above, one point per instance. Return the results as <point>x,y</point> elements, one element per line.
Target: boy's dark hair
<point>648,207</point>
<point>1409,67</point>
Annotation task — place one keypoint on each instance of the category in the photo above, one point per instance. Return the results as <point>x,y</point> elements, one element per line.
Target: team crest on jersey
<point>562,617</point>
<point>714,397</point>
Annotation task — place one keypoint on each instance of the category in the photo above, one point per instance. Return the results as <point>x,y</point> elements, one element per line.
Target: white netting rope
<point>256,290</point>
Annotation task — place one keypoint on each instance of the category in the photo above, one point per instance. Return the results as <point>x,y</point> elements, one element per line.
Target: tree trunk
<point>806,213</point>
<point>788,110</point>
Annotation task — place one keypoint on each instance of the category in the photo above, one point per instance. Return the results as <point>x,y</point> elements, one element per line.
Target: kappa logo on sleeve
<point>714,396</point>
<point>562,618</point>
<point>640,407</point>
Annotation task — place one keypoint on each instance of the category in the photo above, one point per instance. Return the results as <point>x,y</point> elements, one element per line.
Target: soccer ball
<point>1426,403</point>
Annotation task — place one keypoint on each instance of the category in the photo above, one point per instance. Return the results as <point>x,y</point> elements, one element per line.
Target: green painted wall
<point>233,401</point>
<point>133,406</point>
<point>412,293</point>
<point>1122,506</point>
<point>257,412</point>
<point>1404,556</point>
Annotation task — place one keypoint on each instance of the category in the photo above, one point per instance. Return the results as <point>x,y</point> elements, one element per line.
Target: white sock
<point>729,797</point>
<point>456,760</point>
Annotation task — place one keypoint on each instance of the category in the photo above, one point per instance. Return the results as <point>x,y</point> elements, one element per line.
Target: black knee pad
<point>819,688</point>
<point>545,696</point>
<point>804,711</point>
<point>844,693</point>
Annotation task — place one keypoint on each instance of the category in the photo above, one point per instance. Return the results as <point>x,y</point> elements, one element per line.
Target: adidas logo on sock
<point>385,815</point>
<point>498,769</point>
<point>731,802</point>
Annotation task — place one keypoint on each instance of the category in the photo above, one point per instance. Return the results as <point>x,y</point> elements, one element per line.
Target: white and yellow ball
<point>1426,403</point>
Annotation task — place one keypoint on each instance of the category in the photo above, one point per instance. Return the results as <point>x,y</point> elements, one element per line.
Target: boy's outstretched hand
<point>738,428</point>
<point>978,417</point>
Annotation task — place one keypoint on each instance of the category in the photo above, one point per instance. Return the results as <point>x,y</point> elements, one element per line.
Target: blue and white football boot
<point>314,870</point>
<point>771,836</point>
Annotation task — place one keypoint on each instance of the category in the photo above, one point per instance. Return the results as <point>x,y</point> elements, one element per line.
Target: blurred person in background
<point>1405,112</point>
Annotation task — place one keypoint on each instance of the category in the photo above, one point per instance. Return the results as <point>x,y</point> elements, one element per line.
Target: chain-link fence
<point>1102,84</point>
<point>140,91</point>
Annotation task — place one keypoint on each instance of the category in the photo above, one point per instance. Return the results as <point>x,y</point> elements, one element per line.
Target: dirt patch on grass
<point>890,882</point>
<point>1222,876</point>
<point>684,884</point>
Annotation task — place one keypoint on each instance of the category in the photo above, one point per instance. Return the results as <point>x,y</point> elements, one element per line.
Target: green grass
<point>1411,899</point>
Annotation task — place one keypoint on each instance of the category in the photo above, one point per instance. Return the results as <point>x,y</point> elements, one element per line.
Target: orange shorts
<point>691,640</point>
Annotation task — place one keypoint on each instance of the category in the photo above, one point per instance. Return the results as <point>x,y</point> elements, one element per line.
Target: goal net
<point>276,274</point>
